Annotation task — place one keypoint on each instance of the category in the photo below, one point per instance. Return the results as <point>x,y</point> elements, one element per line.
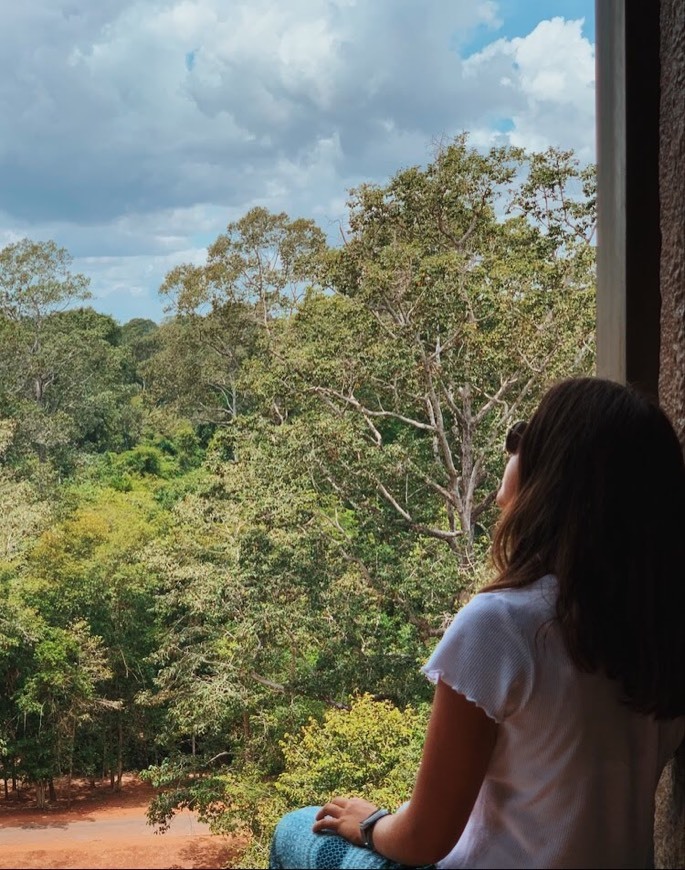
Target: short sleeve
<point>484,656</point>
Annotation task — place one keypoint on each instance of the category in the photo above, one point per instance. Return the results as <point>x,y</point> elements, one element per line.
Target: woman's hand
<point>342,816</point>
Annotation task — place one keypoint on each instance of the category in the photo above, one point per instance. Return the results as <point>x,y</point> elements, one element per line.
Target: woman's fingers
<point>333,808</point>
<point>327,823</point>
<point>328,817</point>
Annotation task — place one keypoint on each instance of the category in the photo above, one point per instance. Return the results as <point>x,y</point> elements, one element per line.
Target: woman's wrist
<point>367,826</point>
<point>381,829</point>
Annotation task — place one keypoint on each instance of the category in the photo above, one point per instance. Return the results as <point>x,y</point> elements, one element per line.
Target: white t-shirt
<point>572,776</point>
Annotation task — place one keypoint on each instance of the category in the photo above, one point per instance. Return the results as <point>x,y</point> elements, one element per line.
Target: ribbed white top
<point>572,778</point>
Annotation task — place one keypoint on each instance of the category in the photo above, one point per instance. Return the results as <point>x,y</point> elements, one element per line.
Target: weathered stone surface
<point>672,206</point>
<point>669,827</point>
<point>670,810</point>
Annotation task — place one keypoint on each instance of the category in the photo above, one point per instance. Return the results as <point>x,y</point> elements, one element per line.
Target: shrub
<point>371,750</point>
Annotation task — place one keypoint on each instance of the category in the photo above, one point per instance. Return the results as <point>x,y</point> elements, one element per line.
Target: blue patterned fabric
<point>296,847</point>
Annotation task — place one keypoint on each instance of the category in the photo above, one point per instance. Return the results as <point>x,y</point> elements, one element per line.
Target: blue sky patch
<point>518,19</point>
<point>503,125</point>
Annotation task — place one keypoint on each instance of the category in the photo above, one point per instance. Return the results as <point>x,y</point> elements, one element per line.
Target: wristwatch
<point>366,826</point>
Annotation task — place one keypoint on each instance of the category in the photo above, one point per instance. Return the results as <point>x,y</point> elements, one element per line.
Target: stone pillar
<point>670,815</point>
<point>672,207</point>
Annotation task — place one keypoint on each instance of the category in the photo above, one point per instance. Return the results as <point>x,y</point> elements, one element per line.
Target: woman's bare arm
<point>459,744</point>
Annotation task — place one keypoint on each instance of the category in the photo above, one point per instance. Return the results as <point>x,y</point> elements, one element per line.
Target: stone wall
<point>670,815</point>
<point>672,207</point>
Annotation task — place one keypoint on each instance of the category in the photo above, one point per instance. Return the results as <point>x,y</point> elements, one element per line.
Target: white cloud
<point>136,129</point>
<point>547,81</point>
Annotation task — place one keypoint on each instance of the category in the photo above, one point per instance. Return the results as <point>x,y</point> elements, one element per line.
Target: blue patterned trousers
<point>296,847</point>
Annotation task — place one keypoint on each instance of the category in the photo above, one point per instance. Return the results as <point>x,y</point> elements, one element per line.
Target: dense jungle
<point>228,541</point>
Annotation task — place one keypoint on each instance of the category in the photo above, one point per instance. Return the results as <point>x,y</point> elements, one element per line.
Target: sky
<point>133,131</point>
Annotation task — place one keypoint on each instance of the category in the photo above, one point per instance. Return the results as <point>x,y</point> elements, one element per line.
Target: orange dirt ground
<point>103,829</point>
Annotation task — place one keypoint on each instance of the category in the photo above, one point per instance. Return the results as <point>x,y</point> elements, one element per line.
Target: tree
<point>62,375</point>
<point>87,568</point>
<point>60,696</point>
<point>255,275</point>
<point>140,335</point>
<point>23,512</point>
<point>460,292</point>
<point>319,558</point>
<point>370,748</point>
<point>35,282</point>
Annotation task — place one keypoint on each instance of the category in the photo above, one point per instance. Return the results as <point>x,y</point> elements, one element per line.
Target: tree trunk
<point>120,755</point>
<point>71,764</point>
<point>247,733</point>
<point>51,790</point>
<point>40,794</point>
<point>38,390</point>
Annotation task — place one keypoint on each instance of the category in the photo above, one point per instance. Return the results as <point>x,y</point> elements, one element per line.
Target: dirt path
<point>105,830</point>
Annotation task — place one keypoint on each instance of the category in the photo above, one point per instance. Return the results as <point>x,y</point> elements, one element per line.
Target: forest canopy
<point>229,540</point>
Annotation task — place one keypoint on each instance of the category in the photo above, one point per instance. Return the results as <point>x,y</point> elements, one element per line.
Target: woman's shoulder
<point>488,652</point>
<point>523,604</point>
<point>502,621</point>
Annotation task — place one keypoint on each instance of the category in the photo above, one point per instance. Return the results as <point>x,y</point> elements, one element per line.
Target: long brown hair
<point>601,504</point>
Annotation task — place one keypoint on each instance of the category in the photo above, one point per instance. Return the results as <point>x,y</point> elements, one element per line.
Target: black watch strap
<point>366,826</point>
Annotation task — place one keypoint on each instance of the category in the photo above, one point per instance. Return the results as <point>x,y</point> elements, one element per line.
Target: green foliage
<point>227,310</point>
<point>462,290</point>
<point>371,749</point>
<point>141,338</point>
<point>70,664</point>
<point>59,696</point>
<point>224,538</point>
<point>63,378</point>
<point>78,637</point>
<point>142,459</point>
<point>35,280</point>
<point>22,510</point>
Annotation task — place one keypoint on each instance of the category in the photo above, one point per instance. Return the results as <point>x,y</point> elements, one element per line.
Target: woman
<point>560,693</point>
